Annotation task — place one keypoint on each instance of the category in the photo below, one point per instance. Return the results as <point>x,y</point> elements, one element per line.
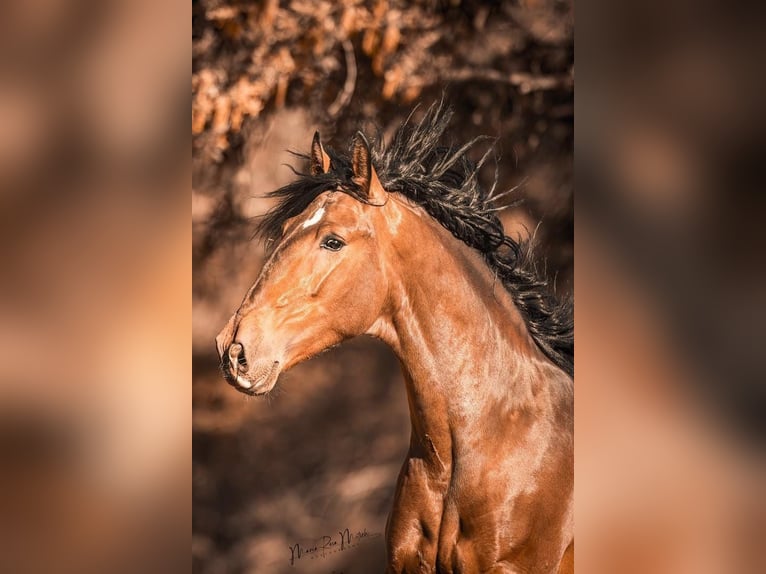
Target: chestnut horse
<point>403,244</point>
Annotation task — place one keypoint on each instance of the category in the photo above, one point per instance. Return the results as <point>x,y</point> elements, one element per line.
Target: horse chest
<point>437,526</point>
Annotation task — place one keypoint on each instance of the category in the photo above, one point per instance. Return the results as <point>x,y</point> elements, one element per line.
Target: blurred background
<point>324,453</point>
<point>95,447</point>
<point>670,395</point>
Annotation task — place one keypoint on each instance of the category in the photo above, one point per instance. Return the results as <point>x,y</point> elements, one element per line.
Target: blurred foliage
<point>251,57</point>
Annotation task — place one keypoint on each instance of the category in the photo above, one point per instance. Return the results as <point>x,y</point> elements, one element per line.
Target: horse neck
<point>463,345</point>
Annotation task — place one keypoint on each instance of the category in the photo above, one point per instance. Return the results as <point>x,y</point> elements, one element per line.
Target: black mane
<point>445,183</point>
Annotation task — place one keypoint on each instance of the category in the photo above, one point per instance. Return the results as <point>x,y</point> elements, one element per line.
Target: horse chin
<point>259,379</point>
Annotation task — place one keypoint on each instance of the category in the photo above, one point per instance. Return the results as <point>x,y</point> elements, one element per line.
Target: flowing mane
<point>445,183</point>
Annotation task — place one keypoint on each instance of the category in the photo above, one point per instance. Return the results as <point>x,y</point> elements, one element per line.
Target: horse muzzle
<point>248,364</point>
<point>254,378</point>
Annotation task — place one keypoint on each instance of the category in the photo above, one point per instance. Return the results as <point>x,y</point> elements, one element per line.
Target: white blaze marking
<point>314,218</point>
<point>243,382</point>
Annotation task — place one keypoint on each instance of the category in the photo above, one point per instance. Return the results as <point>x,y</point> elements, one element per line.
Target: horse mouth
<point>258,380</point>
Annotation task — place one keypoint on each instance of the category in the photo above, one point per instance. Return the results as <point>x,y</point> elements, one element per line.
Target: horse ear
<point>364,172</point>
<point>320,161</point>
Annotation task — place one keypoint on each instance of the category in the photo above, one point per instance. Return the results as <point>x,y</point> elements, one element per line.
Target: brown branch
<point>525,83</point>
<point>349,86</point>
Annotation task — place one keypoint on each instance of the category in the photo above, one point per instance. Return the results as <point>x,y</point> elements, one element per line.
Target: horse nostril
<point>236,353</point>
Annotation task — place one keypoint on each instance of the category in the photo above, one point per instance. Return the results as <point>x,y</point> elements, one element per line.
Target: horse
<point>404,244</point>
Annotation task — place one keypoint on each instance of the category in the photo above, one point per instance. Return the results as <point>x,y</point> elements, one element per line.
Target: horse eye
<point>332,243</point>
